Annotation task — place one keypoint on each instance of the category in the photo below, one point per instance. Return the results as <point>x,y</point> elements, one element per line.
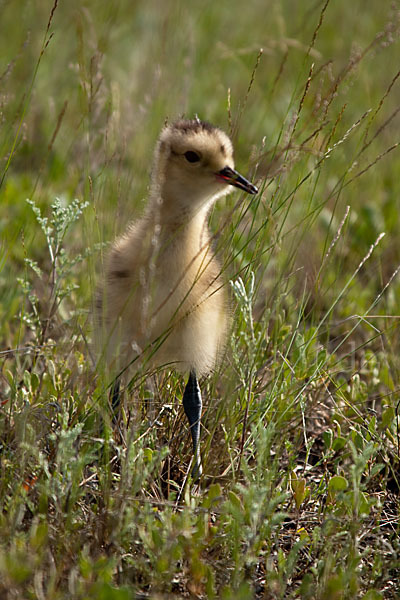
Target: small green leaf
<point>27,380</point>
<point>372,425</point>
<point>235,500</point>
<point>299,489</point>
<point>327,438</point>
<point>148,454</point>
<point>214,492</point>
<point>35,381</point>
<point>388,416</point>
<point>338,443</point>
<point>337,483</point>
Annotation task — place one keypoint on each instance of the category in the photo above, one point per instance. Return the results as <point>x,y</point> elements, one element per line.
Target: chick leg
<point>192,405</point>
<point>115,399</point>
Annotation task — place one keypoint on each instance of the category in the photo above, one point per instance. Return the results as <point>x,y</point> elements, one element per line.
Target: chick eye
<point>191,156</point>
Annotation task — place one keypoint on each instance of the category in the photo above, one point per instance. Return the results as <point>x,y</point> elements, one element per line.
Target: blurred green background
<point>82,121</point>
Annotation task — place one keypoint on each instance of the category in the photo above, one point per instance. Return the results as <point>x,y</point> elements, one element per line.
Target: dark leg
<point>192,405</point>
<point>114,397</point>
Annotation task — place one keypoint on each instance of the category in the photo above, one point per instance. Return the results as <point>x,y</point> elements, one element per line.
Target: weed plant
<point>300,438</point>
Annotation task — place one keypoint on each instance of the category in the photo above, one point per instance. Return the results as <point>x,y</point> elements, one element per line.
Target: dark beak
<point>234,178</point>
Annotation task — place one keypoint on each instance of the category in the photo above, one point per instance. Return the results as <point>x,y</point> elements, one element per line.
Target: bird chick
<point>163,300</point>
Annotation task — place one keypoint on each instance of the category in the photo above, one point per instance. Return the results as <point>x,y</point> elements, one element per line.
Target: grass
<point>300,438</point>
